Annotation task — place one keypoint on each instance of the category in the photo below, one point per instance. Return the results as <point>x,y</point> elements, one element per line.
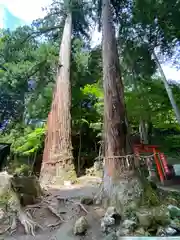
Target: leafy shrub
<point>23,170</point>
<point>25,142</point>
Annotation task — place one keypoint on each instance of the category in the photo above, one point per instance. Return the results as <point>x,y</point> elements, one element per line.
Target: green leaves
<point>31,142</point>
<point>93,89</point>
<point>28,65</point>
<point>25,141</point>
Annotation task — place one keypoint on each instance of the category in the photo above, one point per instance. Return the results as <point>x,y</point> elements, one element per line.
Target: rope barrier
<point>126,156</point>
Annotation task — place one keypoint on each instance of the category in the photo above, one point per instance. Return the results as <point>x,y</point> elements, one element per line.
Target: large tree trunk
<point>57,163</point>
<point>168,88</point>
<point>119,177</point>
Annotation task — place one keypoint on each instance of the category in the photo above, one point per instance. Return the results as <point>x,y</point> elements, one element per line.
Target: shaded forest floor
<point>70,211</point>
<point>66,201</point>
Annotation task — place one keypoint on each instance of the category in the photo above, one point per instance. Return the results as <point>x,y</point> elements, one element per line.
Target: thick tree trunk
<point>118,182</point>
<point>168,88</point>
<point>58,159</point>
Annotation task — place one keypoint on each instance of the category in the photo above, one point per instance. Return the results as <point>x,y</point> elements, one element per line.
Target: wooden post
<point>158,166</point>
<point>164,163</point>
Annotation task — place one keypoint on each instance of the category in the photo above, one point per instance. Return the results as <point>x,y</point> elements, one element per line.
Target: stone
<point>172,201</point>
<point>111,236</point>
<point>11,202</point>
<point>126,228</point>
<point>145,218</point>
<point>129,224</point>
<point>110,218</point>
<point>107,221</point>
<point>27,199</point>
<point>5,182</point>
<point>27,185</point>
<point>161,232</point>
<point>155,216</point>
<point>140,232</point>
<point>161,215</point>
<point>175,223</point>
<point>87,201</point>
<point>2,214</point>
<point>170,231</point>
<point>133,206</point>
<point>97,201</point>
<point>167,231</point>
<point>68,183</point>
<point>174,211</point>
<point>111,211</point>
<point>81,226</point>
<point>125,192</point>
<point>123,232</point>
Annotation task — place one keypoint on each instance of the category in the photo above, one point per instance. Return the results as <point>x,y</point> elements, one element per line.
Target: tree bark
<point>143,131</point>
<point>168,88</point>
<point>58,158</point>
<point>150,131</point>
<point>115,121</point>
<point>142,123</point>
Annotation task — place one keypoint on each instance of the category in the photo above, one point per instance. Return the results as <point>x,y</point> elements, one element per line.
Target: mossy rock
<point>141,232</point>
<point>170,200</point>
<point>27,185</point>
<point>111,236</point>
<point>161,215</point>
<point>175,223</point>
<point>149,196</point>
<point>4,199</point>
<point>153,217</point>
<point>174,211</point>
<point>145,218</point>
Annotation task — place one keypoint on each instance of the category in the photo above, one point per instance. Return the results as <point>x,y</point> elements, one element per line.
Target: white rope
<point>127,156</point>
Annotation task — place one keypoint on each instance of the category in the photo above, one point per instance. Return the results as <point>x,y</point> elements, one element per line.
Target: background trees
<point>29,58</point>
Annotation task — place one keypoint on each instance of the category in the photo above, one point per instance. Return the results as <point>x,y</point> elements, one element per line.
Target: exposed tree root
<point>5,231</point>
<point>13,224</point>
<point>23,216</point>
<point>8,189</point>
<point>27,222</point>
<point>80,205</point>
<point>52,210</point>
<point>74,202</point>
<point>52,226</point>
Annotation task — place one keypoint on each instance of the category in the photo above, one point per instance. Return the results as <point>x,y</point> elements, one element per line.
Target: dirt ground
<point>65,200</point>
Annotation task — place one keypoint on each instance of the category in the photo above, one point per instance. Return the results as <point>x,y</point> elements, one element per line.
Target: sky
<point>29,10</point>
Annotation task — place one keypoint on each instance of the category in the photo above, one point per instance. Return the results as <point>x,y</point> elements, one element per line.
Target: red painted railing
<point>159,158</point>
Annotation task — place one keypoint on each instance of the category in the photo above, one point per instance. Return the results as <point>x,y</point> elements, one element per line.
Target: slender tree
<point>168,88</point>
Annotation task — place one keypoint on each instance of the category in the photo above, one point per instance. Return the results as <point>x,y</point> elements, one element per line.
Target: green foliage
<point>25,141</point>
<point>23,170</point>
<point>28,70</point>
<point>31,142</point>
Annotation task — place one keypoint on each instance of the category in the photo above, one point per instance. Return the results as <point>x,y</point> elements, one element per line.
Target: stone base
<point>123,194</point>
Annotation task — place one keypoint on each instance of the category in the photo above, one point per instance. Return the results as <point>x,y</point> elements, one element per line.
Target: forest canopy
<point>28,68</point>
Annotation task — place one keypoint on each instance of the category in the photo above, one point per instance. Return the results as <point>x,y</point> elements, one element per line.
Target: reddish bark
<point>115,126</point>
<point>57,157</point>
